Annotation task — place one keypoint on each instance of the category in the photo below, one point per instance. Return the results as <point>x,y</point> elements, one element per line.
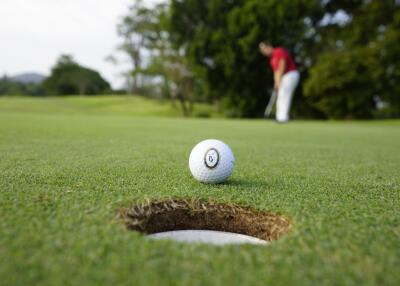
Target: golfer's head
<point>266,48</point>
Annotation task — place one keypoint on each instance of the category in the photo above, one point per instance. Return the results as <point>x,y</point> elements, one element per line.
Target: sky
<point>34,33</point>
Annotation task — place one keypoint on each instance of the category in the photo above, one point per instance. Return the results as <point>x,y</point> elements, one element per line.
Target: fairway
<point>65,175</point>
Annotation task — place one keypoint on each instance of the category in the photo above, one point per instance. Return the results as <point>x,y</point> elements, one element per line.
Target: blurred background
<point>201,57</point>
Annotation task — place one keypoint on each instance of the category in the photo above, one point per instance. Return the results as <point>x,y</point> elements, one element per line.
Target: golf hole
<point>196,221</point>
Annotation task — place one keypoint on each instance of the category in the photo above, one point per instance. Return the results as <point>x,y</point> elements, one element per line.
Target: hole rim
<point>157,216</point>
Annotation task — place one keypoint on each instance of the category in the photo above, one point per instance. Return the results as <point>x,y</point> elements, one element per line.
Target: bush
<point>342,84</point>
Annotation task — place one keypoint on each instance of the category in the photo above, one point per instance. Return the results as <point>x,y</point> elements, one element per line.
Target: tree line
<point>67,78</point>
<point>207,51</point>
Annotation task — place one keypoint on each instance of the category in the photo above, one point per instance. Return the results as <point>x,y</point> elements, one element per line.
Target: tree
<point>388,53</point>
<point>347,53</point>
<point>221,40</point>
<point>146,32</point>
<point>68,77</point>
<point>135,29</point>
<point>341,84</point>
<point>358,62</point>
<point>10,87</point>
<point>168,62</point>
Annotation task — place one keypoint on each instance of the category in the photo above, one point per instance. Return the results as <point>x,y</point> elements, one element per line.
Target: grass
<point>102,105</point>
<point>65,174</point>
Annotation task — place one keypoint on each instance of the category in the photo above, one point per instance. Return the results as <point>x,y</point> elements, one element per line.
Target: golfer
<point>286,78</point>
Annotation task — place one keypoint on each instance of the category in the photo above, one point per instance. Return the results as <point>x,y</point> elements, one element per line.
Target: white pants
<point>288,85</point>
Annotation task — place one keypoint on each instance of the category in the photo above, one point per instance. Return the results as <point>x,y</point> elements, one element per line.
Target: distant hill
<point>28,78</point>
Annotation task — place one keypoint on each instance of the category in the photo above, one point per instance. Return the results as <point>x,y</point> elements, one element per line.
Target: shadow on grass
<point>246,183</point>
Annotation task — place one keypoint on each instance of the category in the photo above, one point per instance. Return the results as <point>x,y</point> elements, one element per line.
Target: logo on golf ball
<point>211,159</point>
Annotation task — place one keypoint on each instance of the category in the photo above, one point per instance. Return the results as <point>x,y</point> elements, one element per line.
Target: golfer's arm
<point>278,74</point>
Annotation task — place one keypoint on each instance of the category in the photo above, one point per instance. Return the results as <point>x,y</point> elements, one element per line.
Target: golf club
<point>270,105</point>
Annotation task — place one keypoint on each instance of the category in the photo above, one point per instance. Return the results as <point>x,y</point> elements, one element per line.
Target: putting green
<point>65,176</point>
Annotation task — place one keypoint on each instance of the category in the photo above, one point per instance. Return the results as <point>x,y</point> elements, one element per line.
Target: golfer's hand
<point>276,85</point>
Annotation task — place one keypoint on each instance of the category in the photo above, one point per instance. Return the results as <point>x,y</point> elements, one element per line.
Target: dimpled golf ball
<point>211,161</point>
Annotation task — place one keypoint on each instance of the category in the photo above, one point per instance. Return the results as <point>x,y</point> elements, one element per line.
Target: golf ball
<point>211,161</point>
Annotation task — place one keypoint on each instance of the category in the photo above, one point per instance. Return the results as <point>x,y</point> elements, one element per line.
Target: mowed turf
<point>135,106</point>
<point>63,177</point>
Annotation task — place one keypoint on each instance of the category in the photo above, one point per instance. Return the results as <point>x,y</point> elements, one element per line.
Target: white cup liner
<point>207,237</point>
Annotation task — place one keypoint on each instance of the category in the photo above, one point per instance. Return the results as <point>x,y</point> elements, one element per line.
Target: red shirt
<point>279,54</point>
